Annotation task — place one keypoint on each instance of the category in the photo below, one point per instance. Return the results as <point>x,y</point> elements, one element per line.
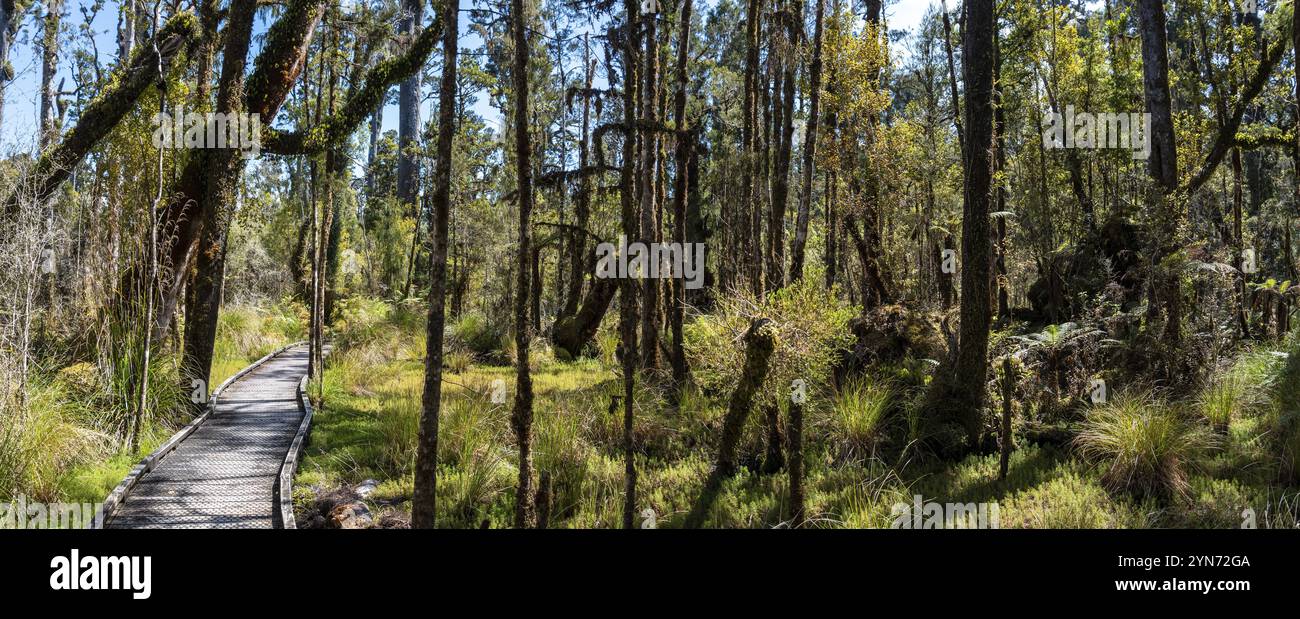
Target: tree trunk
<point>573,333</point>
<point>809,151</point>
<point>795,465</point>
<point>580,256</point>
<point>205,288</point>
<point>744,240</point>
<point>785,149</point>
<point>627,288</point>
<point>424,503</point>
<point>408,121</point>
<point>1162,165</point>
<point>1008,394</point>
<point>522,417</point>
<point>9,22</point>
<point>681,189</point>
<point>49,67</point>
<point>648,161</point>
<point>958,394</point>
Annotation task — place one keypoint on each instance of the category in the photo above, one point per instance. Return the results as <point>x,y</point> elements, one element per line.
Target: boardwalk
<point>222,475</point>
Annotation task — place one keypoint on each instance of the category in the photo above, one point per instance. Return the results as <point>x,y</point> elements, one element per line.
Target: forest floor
<point>368,426</point>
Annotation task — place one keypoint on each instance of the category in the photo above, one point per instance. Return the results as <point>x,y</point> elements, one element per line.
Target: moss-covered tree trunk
<point>423,507</point>
<point>759,343</point>
<point>204,293</point>
<point>681,188</point>
<point>627,286</point>
<point>957,394</point>
<point>648,162</point>
<point>522,417</point>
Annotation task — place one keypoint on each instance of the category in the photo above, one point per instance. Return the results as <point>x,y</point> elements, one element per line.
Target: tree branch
<point>361,103</point>
<point>1227,135</point>
<point>129,81</point>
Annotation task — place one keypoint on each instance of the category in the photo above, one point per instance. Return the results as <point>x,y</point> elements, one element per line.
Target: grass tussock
<point>1145,446</point>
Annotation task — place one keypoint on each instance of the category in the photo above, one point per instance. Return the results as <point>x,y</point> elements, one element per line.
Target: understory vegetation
<point>1140,460</point>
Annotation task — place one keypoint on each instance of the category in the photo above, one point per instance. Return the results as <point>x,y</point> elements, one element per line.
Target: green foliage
<point>1284,421</point>
<point>810,326</point>
<point>1241,390</point>
<point>475,333</point>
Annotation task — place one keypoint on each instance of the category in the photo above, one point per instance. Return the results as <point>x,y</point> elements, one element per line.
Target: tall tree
<point>681,186</point>
<point>648,163</point>
<point>426,462</point>
<point>958,392</point>
<point>49,68</point>
<point>631,43</point>
<point>408,118</point>
<point>809,149</point>
<point>522,417</point>
<point>792,18</point>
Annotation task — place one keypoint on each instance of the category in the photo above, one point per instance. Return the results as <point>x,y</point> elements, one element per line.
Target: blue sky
<point>22,101</point>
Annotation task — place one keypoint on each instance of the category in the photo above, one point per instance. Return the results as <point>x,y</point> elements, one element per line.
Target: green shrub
<point>474,332</point>
<point>810,326</point>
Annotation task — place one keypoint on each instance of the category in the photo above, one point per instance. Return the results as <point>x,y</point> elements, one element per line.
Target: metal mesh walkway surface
<point>222,475</point>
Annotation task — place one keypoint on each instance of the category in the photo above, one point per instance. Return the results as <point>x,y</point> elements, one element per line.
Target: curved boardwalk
<point>222,475</point>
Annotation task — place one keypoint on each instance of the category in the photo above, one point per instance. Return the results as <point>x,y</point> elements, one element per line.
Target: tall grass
<point>1241,390</point>
<point>1144,445</point>
<point>1284,420</point>
<point>858,416</point>
<point>398,422</point>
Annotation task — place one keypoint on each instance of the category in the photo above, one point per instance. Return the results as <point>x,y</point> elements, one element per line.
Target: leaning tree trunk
<point>572,333</point>
<point>522,417</point>
<point>206,283</point>
<point>426,461</point>
<point>759,343</point>
<point>202,193</point>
